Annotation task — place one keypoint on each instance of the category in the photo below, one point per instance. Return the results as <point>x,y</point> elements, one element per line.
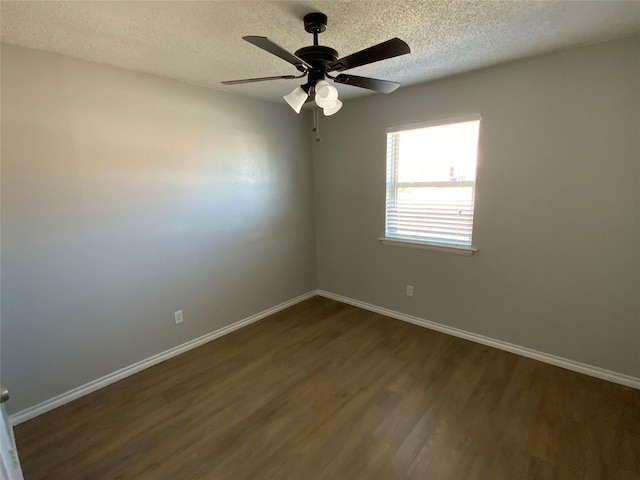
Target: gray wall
<point>126,197</point>
<point>557,217</point>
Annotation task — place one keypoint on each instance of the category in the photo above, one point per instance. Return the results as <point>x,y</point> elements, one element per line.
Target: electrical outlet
<point>409,290</point>
<point>178,316</point>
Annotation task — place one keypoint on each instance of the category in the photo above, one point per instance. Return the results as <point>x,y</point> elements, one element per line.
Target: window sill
<point>456,250</point>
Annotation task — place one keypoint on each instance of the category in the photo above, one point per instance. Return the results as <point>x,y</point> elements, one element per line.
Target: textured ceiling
<point>200,42</point>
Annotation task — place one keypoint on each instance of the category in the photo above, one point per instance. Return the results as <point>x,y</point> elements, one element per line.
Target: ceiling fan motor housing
<point>317,56</point>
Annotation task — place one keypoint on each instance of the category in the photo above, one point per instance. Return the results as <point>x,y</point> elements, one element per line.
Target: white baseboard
<point>597,372</point>
<point>113,377</point>
<point>39,409</point>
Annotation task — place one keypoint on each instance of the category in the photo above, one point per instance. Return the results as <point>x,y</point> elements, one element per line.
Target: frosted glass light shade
<point>296,99</point>
<point>326,95</point>
<point>337,105</point>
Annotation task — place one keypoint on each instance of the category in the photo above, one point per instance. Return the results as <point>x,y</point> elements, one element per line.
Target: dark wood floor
<point>328,391</point>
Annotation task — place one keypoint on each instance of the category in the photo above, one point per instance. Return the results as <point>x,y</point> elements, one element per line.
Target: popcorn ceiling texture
<point>200,42</point>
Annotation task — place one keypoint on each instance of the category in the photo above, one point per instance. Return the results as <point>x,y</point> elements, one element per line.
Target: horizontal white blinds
<point>444,221</point>
<point>431,182</point>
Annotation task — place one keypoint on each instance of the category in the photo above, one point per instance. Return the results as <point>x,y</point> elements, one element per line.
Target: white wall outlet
<point>409,290</point>
<point>178,316</point>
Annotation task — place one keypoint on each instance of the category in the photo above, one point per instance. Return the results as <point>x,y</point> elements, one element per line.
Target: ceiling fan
<point>316,62</point>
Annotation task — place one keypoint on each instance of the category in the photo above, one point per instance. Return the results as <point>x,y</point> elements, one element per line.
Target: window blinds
<point>431,181</point>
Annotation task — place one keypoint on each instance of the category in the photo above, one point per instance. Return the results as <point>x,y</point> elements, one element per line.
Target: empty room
<point>336,240</point>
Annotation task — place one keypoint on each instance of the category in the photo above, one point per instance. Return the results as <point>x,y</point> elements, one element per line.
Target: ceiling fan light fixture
<point>326,95</point>
<point>334,108</point>
<point>296,99</point>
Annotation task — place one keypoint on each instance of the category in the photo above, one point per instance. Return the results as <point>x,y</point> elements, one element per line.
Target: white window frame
<point>393,185</point>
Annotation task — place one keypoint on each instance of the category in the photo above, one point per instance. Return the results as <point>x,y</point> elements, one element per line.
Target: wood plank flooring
<point>324,390</point>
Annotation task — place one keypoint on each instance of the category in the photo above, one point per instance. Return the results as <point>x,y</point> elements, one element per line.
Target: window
<point>431,179</point>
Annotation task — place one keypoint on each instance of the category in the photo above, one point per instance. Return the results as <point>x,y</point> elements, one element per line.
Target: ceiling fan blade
<point>260,79</point>
<point>382,51</point>
<point>383,86</point>
<point>266,44</point>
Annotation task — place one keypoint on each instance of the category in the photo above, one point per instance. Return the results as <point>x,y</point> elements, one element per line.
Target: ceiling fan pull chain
<point>316,123</point>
